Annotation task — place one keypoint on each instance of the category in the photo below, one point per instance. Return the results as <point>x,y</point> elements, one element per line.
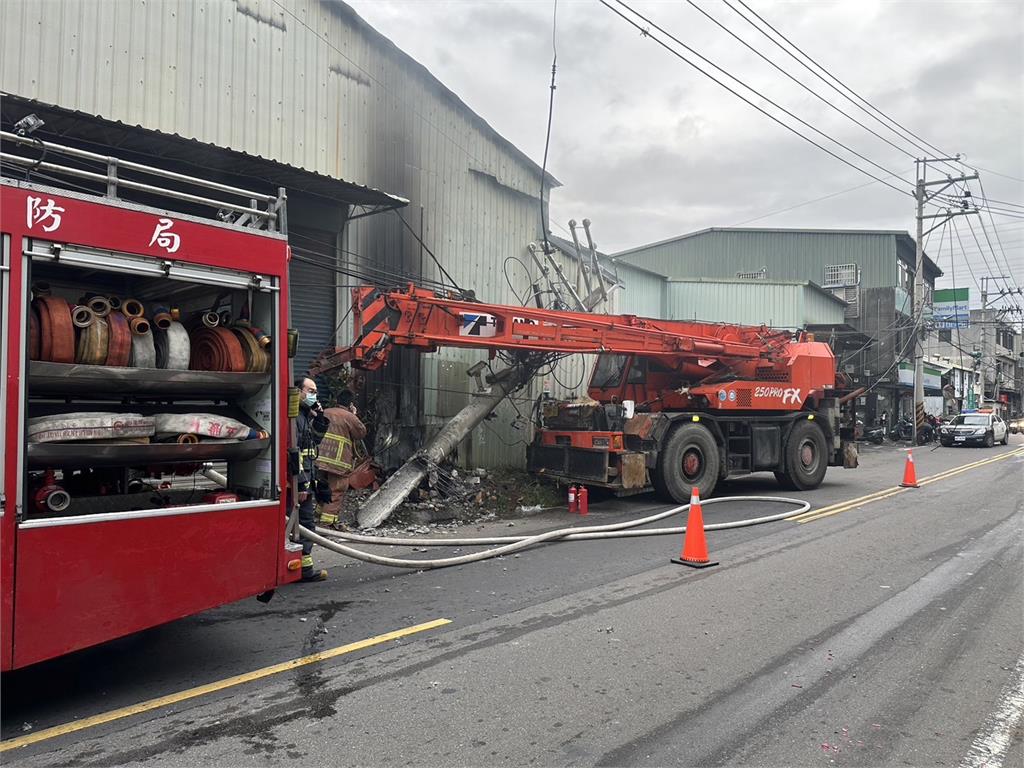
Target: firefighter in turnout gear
<point>336,457</point>
<point>311,426</point>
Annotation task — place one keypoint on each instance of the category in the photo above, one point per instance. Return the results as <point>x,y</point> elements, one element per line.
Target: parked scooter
<point>874,435</point>
<point>903,431</point>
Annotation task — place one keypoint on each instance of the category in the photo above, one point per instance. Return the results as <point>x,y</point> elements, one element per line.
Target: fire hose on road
<point>509,544</point>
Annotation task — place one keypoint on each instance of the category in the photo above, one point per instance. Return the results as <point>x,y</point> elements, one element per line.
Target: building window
<point>946,335</point>
<point>761,274</point>
<point>840,274</point>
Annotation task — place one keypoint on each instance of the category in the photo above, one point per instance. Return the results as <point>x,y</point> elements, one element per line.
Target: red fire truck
<point>145,372</point>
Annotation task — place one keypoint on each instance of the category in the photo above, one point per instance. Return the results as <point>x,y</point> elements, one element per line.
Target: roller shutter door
<point>313,305</point>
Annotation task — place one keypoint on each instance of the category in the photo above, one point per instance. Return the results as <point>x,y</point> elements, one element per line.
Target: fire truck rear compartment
<point>112,476</point>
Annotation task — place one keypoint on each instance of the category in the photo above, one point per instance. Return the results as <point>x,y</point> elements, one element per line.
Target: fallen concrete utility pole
<point>397,488</point>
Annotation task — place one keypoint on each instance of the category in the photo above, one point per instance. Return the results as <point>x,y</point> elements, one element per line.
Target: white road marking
<point>988,750</point>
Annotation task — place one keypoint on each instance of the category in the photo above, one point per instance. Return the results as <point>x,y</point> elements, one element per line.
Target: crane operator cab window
<point>608,371</point>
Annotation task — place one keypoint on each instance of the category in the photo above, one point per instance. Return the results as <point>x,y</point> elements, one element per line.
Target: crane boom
<point>427,320</point>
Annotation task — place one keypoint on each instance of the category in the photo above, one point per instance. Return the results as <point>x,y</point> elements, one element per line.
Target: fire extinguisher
<point>583,502</point>
<point>572,499</point>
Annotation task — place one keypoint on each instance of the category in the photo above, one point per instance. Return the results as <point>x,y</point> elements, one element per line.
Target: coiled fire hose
<point>119,346</point>
<point>143,349</point>
<point>217,349</point>
<point>510,544</point>
<point>173,348</point>
<point>34,339</point>
<point>204,424</point>
<point>56,333</point>
<point>93,337</point>
<point>256,358</point>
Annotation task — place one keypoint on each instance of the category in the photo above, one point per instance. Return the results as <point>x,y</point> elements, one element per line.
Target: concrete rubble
<point>449,498</point>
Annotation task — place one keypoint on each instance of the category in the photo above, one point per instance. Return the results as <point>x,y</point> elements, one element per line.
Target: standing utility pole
<point>984,335</point>
<point>922,196</point>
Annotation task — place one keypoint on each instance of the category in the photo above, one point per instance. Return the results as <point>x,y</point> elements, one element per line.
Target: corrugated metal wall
<point>788,255</point>
<point>643,293</point>
<point>309,84</point>
<point>750,302</point>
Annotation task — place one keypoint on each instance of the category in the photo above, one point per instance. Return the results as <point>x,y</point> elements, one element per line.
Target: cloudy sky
<point>648,148</point>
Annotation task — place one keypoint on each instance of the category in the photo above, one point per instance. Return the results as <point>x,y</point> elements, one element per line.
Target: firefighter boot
<point>309,573</point>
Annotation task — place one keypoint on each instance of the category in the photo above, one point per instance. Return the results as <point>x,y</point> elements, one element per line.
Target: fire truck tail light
<point>294,565</point>
<point>617,442</point>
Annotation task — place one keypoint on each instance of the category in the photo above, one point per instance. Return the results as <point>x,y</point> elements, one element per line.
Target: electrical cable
<point>816,200</point>
<point>509,544</point>
<point>970,269</point>
<point>399,275</point>
<point>429,252</point>
<point>547,137</point>
<point>504,269</point>
<point>995,231</point>
<point>837,80</point>
<point>646,33</point>
<point>797,81</point>
<point>984,256</point>
<point>583,375</point>
<point>952,267</point>
<point>375,277</point>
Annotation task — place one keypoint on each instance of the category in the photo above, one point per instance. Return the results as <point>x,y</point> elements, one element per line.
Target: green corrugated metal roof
<point>743,281</point>
<point>793,253</point>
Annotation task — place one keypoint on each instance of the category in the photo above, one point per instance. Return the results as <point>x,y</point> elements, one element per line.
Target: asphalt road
<point>887,632</point>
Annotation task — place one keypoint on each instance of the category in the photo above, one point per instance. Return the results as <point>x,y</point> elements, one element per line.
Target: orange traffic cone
<point>909,474</point>
<point>695,546</point>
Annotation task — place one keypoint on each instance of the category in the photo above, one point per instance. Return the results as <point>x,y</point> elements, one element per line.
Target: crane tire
<point>806,457</point>
<point>785,481</point>
<point>689,459</point>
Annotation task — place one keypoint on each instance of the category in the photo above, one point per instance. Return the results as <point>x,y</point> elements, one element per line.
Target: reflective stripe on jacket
<point>337,449</point>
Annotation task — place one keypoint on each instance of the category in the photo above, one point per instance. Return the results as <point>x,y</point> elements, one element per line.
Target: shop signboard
<point>951,308</point>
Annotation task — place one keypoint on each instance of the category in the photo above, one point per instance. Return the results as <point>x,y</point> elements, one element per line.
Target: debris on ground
<point>450,498</point>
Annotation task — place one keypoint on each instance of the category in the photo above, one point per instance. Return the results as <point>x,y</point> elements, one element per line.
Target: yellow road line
<point>220,685</point>
<point>838,504</point>
<point>885,493</point>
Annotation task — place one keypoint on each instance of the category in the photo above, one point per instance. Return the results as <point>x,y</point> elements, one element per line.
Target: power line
<point>797,81</point>
<point>427,249</point>
<point>993,272</point>
<point>902,132</point>
<point>970,269</point>
<point>996,173</point>
<point>646,33</point>
<point>547,134</point>
<point>815,200</point>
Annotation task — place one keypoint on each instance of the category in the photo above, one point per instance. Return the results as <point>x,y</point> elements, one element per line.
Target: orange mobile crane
<point>673,405</point>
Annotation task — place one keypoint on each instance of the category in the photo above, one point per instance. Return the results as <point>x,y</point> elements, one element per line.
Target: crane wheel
<point>689,459</point>
<point>806,458</point>
<point>785,481</point>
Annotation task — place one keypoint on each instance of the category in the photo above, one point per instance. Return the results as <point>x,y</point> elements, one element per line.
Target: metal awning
<point>136,143</point>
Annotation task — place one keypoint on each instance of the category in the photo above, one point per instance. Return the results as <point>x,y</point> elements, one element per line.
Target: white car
<point>980,427</point>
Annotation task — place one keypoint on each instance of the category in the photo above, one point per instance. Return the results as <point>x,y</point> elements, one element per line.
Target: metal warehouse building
<point>302,94</point>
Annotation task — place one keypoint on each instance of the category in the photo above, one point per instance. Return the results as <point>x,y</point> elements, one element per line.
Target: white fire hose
<point>510,544</point>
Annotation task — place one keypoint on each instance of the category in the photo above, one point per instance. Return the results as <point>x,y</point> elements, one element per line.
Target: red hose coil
<point>119,345</point>
<point>56,332</point>
<point>216,349</point>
